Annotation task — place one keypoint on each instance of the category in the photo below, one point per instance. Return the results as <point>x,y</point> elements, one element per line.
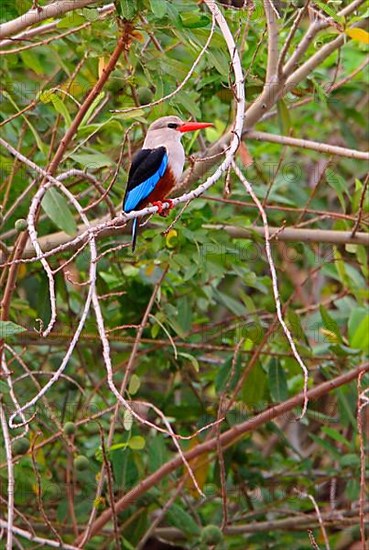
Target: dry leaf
<point>245,156</point>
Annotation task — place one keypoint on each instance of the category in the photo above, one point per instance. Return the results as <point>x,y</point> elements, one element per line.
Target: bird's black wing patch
<point>145,163</point>
<point>148,166</point>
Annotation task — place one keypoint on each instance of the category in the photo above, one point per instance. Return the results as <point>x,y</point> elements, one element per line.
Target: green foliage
<point>211,534</point>
<point>8,328</point>
<point>56,208</point>
<point>70,428</point>
<point>21,446</point>
<point>81,463</point>
<point>212,329</point>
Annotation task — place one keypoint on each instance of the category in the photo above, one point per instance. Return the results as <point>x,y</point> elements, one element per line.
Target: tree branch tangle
<point>210,388</point>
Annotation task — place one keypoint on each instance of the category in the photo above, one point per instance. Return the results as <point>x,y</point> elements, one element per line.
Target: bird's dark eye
<point>173,125</point>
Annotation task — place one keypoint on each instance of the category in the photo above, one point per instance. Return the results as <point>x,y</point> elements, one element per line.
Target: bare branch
<point>60,241</point>
<point>308,144</point>
<point>300,14</point>
<point>319,516</point>
<point>273,273</point>
<point>34,15</point>
<point>38,540</point>
<point>264,102</point>
<point>226,439</point>
<point>11,485</point>
<point>272,65</point>
<point>297,235</point>
<point>306,68</point>
<point>295,523</point>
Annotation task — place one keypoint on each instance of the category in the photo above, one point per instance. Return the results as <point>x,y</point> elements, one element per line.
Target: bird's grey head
<point>164,131</point>
<point>166,123</point>
<point>168,131</point>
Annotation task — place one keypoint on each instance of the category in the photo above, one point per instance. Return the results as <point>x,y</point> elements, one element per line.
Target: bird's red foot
<point>159,204</point>
<point>166,211</point>
<point>163,211</point>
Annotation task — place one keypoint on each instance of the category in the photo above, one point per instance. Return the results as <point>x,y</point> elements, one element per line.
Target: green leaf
<point>253,389</point>
<point>92,108</point>
<point>158,7</point>
<point>295,325</point>
<point>32,61</point>
<point>358,329</point>
<point>284,119</point>
<point>223,378</point>
<point>338,184</point>
<point>178,517</point>
<point>321,93</point>
<point>326,8</point>
<point>277,381</point>
<point>157,453</point>
<point>48,96</point>
<point>73,19</point>
<point>8,328</point>
<point>234,306</point>
<point>134,384</point>
<point>42,147</point>
<point>330,324</point>
<point>184,313</point>
<point>126,8</point>
<point>136,443</point>
<point>61,109</point>
<point>336,435</point>
<point>4,388</point>
<point>219,60</point>
<point>350,459</point>
<point>127,420</point>
<point>342,269</point>
<point>118,446</point>
<point>124,468</point>
<point>56,208</point>
<point>92,161</point>
<point>194,20</point>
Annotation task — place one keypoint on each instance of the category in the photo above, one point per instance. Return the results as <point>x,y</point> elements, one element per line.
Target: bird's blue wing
<point>147,168</point>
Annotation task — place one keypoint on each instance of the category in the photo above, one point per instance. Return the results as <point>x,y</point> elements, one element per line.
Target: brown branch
<point>108,470</point>
<point>122,390</point>
<point>339,518</point>
<point>124,43</point>
<point>295,235</point>
<point>227,438</point>
<point>11,283</point>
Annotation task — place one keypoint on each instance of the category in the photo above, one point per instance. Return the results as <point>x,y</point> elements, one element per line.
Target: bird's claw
<point>159,205</point>
<point>163,210</point>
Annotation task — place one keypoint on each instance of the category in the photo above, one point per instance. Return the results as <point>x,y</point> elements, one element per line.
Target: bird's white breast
<point>171,141</point>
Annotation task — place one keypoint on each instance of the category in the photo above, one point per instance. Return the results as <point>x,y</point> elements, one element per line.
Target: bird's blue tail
<point>134,233</point>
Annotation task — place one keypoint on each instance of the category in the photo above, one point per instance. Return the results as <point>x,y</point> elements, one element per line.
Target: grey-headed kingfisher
<point>157,167</point>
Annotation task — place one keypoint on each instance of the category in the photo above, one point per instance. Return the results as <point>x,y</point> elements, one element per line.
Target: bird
<point>157,168</point>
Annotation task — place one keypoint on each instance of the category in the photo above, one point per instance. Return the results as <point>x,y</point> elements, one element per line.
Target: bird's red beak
<point>192,126</point>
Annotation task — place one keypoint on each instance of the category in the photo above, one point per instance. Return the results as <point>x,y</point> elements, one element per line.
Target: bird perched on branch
<point>157,167</point>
